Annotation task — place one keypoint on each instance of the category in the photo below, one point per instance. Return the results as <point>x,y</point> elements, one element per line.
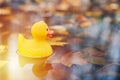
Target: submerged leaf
<point>73,58</point>
<point>96,60</point>
<point>95,52</point>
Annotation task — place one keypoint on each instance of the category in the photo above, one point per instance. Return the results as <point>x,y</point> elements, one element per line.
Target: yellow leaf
<point>2,63</point>
<point>5,11</point>
<point>3,49</point>
<point>58,43</point>
<point>38,1</point>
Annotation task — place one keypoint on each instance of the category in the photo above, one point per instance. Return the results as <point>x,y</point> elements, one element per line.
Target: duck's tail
<point>21,40</point>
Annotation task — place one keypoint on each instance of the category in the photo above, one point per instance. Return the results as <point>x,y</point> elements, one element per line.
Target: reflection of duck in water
<point>37,50</point>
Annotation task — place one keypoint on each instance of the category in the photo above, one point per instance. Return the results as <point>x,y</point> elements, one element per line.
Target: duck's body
<point>38,46</point>
<point>33,48</point>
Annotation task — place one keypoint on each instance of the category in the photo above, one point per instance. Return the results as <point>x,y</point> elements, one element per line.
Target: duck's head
<point>40,30</point>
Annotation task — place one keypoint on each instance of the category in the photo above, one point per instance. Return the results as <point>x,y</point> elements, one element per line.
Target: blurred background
<point>86,39</point>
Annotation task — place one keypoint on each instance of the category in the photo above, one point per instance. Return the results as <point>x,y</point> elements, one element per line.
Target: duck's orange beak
<point>50,33</point>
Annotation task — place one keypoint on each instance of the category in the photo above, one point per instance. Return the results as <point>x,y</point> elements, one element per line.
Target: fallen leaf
<point>73,58</point>
<point>2,63</point>
<point>3,49</point>
<point>74,2</point>
<point>59,29</point>
<point>56,41</point>
<point>5,11</point>
<point>63,5</point>
<point>94,52</point>
<point>96,60</point>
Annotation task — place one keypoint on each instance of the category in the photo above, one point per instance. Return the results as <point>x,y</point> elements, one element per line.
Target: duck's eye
<point>47,29</point>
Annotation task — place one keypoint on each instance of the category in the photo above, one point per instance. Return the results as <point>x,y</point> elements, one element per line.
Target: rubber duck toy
<point>36,50</point>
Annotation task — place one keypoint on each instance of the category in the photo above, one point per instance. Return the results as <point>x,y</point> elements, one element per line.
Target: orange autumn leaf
<point>5,11</point>
<point>58,29</point>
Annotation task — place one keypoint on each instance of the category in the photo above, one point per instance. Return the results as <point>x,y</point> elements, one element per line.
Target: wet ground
<point>83,48</point>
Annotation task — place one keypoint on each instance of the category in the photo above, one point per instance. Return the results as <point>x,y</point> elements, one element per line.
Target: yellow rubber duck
<point>37,47</point>
<point>35,51</point>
